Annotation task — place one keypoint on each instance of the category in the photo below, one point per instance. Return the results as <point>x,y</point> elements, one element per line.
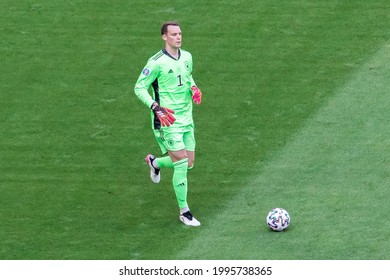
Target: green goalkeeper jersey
<point>170,80</point>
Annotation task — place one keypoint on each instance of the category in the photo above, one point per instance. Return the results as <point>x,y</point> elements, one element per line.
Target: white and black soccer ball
<point>278,219</point>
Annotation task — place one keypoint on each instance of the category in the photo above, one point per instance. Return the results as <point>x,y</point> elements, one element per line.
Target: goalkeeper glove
<point>164,115</point>
<point>196,95</point>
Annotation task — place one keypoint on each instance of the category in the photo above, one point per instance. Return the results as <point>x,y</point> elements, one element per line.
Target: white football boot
<point>188,219</point>
<point>154,172</point>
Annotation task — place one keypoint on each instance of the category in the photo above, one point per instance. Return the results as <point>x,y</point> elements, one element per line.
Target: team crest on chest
<point>187,65</point>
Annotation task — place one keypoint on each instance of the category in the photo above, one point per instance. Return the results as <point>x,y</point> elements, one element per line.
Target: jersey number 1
<point>180,83</point>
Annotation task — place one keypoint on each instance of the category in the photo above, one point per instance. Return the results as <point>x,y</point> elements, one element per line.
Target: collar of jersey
<point>165,52</point>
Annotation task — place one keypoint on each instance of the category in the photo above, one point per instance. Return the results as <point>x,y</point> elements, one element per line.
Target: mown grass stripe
<point>329,176</point>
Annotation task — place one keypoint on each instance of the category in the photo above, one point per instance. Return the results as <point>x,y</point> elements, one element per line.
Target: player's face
<point>173,36</point>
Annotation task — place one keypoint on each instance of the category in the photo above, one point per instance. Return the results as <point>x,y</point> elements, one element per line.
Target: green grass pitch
<point>294,115</point>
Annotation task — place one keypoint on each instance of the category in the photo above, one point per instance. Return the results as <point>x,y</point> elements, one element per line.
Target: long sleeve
<point>145,79</point>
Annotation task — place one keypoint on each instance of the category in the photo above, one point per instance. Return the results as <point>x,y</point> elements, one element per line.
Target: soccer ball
<point>278,219</point>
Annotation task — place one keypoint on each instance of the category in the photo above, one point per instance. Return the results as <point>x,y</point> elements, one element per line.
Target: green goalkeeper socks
<point>164,162</point>
<point>180,181</point>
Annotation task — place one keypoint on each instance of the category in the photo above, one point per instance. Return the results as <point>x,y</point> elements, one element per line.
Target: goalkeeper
<point>168,74</point>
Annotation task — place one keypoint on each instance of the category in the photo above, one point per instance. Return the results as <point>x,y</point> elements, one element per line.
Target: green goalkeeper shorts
<point>175,138</point>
